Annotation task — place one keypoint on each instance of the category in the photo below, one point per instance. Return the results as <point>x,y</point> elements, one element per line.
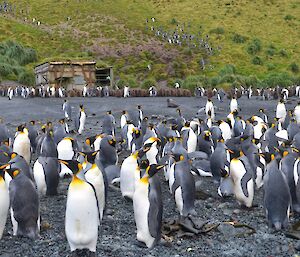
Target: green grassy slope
<point>114,33</point>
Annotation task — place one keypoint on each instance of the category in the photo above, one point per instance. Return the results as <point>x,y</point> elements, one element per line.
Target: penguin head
<point>187,124</point>
<point>90,140</point>
<point>178,157</point>
<point>89,156</point>
<point>145,118</point>
<point>13,155</point>
<point>235,153</point>
<point>62,121</point>
<point>13,172</point>
<point>81,108</point>
<point>32,122</point>
<point>139,107</point>
<point>206,135</point>
<point>153,169</point>
<point>3,169</point>
<point>170,139</point>
<point>209,100</point>
<point>112,141</point>
<point>73,165</point>
<point>221,140</point>
<point>262,110</point>
<point>49,125</point>
<point>219,122</point>
<point>109,112</point>
<point>281,101</point>
<point>174,126</point>
<point>267,156</point>
<point>21,128</point>
<point>255,141</point>
<point>43,128</point>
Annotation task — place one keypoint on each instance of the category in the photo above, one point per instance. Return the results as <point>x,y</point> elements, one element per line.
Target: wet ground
<point>117,232</point>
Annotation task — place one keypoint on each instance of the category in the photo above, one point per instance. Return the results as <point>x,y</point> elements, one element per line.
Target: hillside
<point>246,37</point>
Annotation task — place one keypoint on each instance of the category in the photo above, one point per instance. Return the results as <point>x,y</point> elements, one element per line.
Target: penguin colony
<point>242,155</point>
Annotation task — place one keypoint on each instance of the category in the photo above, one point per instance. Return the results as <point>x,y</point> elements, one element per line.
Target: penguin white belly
<point>65,150</point>
<point>127,177</point>
<point>129,137</point>
<point>14,222</point>
<point>22,146</point>
<point>192,142</point>
<point>167,171</point>
<point>179,199</point>
<point>171,176</point>
<point>4,205</point>
<point>226,132</point>
<point>95,177</point>
<point>152,153</point>
<point>281,112</point>
<point>97,143</point>
<point>297,113</point>
<point>123,121</point>
<point>81,122</point>
<point>81,217</point>
<point>64,171</point>
<point>39,177</point>
<point>226,187</point>
<point>237,171</point>
<point>295,172</point>
<point>141,209</point>
<point>259,178</point>
<point>7,178</point>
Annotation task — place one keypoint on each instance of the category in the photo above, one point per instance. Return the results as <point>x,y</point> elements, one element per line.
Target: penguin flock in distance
<point>241,155</point>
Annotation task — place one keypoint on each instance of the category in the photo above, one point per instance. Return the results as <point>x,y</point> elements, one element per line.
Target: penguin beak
<point>5,166</point>
<point>63,162</point>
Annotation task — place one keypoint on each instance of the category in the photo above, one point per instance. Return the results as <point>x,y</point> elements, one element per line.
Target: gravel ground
<point>117,233</point>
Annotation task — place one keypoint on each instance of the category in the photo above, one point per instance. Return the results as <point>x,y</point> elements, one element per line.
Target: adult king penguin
<point>82,214</point>
<point>4,201</point>
<point>24,204</point>
<point>22,143</point>
<point>277,198</point>
<point>147,206</point>
<point>80,120</point>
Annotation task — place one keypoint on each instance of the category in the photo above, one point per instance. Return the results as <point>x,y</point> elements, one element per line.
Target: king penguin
<point>80,120</point>
<point>148,208</point>
<point>4,201</point>
<point>277,198</point>
<point>82,213</point>
<point>97,177</point>
<point>242,177</point>
<point>22,143</point>
<point>66,151</point>
<point>46,175</point>
<point>281,111</point>
<point>24,205</point>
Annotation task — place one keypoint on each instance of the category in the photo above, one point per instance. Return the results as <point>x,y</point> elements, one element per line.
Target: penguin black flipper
<point>97,201</point>
<point>50,166</point>
<point>245,179</point>
<point>101,167</point>
<point>155,209</point>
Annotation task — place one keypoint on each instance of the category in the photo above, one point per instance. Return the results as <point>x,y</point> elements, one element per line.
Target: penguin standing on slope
<point>66,151</point>
<point>233,105</point>
<point>4,201</point>
<point>108,124</point>
<point>80,120</point>
<point>148,208</point>
<point>24,205</point>
<point>277,198</point>
<point>82,213</point>
<point>32,134</point>
<point>107,152</point>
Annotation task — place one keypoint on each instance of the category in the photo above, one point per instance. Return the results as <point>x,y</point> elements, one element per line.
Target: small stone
<point>226,229</point>
<point>297,246</point>
<point>236,211</point>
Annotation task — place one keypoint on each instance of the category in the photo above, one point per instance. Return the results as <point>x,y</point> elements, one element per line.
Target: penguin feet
<point>140,244</point>
<point>128,199</point>
<point>191,224</point>
<point>82,253</point>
